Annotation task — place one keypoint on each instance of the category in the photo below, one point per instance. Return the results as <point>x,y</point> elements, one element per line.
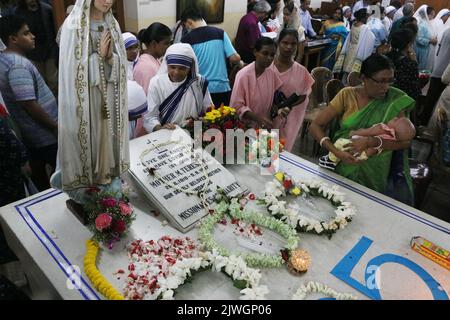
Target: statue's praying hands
<point>106,47</point>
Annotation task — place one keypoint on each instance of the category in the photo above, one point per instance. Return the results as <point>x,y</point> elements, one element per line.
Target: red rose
<point>125,209</point>
<point>109,202</point>
<point>103,221</point>
<point>119,226</point>
<point>241,125</point>
<point>287,184</point>
<point>228,125</point>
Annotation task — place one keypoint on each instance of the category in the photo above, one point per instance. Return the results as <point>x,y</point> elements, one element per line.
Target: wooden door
<point>59,11</point>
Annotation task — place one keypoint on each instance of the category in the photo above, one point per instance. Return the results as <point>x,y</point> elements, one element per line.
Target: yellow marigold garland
<point>95,276</point>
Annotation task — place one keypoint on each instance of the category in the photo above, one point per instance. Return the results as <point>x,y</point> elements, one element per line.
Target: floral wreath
<point>317,287</point>
<point>162,285</point>
<point>283,185</point>
<point>232,208</point>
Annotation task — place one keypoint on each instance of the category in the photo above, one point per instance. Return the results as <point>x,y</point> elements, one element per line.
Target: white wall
<point>130,8</point>
<point>141,13</point>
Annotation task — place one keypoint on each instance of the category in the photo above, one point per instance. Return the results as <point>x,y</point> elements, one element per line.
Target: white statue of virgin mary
<point>93,115</point>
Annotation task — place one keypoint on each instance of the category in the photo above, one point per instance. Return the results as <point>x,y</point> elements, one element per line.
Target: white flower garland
<point>233,266</point>
<point>317,287</point>
<point>283,185</point>
<point>205,233</point>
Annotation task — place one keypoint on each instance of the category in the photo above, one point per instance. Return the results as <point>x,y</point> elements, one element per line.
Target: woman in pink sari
<point>156,39</point>
<point>255,86</point>
<point>296,80</point>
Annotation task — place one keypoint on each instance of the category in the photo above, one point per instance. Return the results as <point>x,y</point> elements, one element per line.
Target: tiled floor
<point>437,198</point>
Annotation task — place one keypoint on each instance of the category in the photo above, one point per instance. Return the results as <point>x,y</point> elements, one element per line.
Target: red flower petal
<point>287,184</point>
<point>285,255</point>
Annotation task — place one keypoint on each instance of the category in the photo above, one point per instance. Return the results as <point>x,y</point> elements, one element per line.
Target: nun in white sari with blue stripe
<point>172,99</point>
<point>137,106</point>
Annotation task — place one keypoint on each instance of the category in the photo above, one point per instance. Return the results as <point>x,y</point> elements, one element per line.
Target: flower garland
<point>158,268</point>
<point>95,276</point>
<point>316,287</point>
<point>245,278</point>
<point>232,208</point>
<point>284,185</point>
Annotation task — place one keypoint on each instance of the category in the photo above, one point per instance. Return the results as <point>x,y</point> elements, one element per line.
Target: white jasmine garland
<point>344,211</point>
<point>233,209</point>
<point>257,293</point>
<point>317,287</point>
<point>233,266</point>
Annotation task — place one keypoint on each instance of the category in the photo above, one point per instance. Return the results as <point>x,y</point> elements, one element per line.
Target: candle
<point>300,261</point>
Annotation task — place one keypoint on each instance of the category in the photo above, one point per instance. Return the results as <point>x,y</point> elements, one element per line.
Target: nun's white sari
<point>436,25</point>
<point>164,104</point>
<point>92,148</point>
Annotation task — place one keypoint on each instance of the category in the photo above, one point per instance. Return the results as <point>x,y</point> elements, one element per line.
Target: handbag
<point>280,102</point>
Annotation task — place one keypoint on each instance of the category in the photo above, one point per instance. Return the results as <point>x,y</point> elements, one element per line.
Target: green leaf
<point>240,284</point>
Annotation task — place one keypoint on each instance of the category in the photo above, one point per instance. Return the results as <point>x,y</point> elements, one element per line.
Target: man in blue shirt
<point>39,18</point>
<point>305,18</point>
<point>32,105</point>
<point>213,47</point>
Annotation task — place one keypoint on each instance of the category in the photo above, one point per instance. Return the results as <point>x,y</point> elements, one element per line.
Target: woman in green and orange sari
<point>373,102</point>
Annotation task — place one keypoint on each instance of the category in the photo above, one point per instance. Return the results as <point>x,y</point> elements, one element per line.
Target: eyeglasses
<point>389,82</point>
